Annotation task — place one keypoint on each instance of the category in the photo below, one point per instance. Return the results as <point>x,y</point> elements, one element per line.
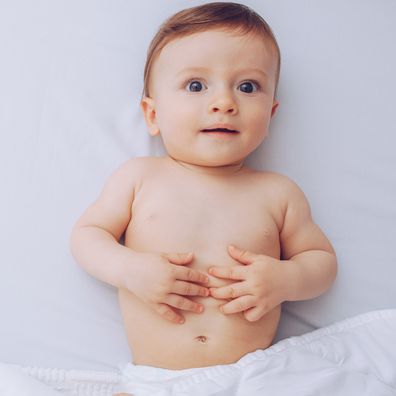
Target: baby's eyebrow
<point>191,70</point>
<point>188,70</point>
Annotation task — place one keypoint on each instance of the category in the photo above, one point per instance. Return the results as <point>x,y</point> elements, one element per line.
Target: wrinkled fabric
<point>353,357</point>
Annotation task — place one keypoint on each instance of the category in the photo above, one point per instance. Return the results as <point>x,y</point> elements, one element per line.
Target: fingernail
<point>181,320</point>
<point>221,309</point>
<point>200,309</point>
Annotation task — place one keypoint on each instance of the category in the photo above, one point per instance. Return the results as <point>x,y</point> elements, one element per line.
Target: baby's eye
<point>249,87</point>
<point>194,86</point>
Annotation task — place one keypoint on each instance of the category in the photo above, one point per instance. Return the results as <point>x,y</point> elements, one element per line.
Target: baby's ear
<point>148,107</point>
<point>275,106</point>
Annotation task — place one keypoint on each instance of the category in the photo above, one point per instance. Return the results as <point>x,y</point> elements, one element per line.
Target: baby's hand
<point>161,281</point>
<point>261,284</point>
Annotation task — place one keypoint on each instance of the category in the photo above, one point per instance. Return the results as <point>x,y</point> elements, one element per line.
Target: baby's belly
<point>204,339</point>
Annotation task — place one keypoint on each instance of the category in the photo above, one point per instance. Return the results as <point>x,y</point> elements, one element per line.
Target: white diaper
<point>353,357</point>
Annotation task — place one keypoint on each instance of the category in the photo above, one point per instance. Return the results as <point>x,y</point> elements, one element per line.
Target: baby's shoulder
<point>132,172</point>
<point>281,186</point>
<point>275,179</point>
<point>139,165</point>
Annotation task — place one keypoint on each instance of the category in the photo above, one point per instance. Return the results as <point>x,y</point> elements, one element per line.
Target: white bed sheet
<point>71,77</point>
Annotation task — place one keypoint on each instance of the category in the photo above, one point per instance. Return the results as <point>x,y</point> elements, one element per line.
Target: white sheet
<point>355,357</point>
<point>14,382</point>
<point>70,82</point>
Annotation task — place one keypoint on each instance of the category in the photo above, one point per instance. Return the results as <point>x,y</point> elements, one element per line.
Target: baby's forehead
<point>210,39</point>
<point>209,47</point>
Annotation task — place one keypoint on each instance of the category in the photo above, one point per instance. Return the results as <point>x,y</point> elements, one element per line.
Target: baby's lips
<point>220,127</point>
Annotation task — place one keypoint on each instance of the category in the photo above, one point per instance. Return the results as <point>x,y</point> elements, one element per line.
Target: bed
<point>71,80</point>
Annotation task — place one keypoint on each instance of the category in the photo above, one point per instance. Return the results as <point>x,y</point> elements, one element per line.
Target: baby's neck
<point>224,170</point>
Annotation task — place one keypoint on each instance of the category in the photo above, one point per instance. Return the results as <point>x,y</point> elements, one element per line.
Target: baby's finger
<point>235,272</point>
<point>178,258</point>
<point>240,304</point>
<point>234,290</point>
<point>183,303</point>
<point>190,275</point>
<point>254,314</point>
<point>169,314</point>
<point>189,289</point>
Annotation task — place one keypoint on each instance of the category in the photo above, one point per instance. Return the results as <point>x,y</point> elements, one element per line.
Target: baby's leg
<point>122,394</point>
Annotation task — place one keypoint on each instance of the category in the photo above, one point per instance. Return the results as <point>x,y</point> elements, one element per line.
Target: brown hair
<point>220,15</point>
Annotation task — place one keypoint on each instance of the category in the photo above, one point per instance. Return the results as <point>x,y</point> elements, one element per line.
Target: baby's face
<point>208,80</point>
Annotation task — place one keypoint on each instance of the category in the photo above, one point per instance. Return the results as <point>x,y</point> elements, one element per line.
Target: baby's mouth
<point>224,130</point>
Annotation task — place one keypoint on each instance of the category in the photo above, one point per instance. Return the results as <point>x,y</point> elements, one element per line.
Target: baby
<point>211,247</point>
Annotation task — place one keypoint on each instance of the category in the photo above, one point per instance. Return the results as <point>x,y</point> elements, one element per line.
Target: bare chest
<point>177,216</point>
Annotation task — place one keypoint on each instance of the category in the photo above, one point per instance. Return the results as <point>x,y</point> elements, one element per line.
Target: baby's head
<point>214,66</point>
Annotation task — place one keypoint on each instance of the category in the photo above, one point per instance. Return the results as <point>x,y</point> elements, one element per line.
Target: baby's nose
<point>224,104</point>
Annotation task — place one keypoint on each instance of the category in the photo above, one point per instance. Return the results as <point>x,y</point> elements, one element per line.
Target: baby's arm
<point>160,280</point>
<point>308,254</point>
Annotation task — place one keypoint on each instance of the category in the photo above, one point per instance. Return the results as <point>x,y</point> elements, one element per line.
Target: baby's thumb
<point>178,258</point>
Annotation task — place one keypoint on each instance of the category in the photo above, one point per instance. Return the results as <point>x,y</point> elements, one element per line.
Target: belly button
<point>202,339</point>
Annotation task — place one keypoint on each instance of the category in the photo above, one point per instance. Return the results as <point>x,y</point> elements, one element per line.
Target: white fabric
<point>15,383</point>
<point>70,82</point>
<point>354,357</point>
<point>37,381</point>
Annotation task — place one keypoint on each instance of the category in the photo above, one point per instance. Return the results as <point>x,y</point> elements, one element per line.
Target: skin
<point>188,298</point>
